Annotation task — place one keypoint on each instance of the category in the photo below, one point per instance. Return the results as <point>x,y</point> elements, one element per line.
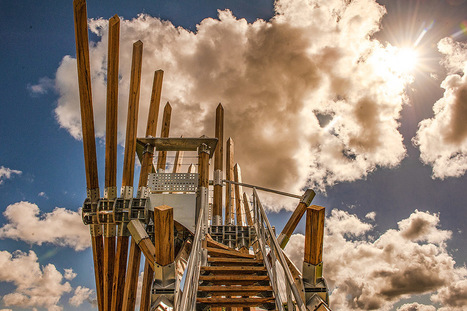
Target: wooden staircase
<point>233,279</point>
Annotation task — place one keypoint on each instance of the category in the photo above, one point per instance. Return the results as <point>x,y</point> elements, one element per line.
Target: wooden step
<point>233,269</point>
<point>215,244</point>
<point>217,252</point>
<point>233,279</point>
<point>226,261</point>
<point>235,302</point>
<point>235,290</point>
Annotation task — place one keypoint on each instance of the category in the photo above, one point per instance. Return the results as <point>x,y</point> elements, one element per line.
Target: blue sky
<point>41,161</point>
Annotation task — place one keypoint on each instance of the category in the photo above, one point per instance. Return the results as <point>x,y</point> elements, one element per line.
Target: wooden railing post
<point>218,168</point>
<point>293,221</point>
<point>164,235</point>
<point>89,142</point>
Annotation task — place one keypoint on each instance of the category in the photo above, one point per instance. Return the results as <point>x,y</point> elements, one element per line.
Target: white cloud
<point>81,294</point>
<point>371,215</point>
<point>443,139</point>
<point>415,306</point>
<point>6,173</point>
<point>42,194</point>
<point>34,286</point>
<point>401,263</point>
<point>45,84</point>
<point>60,227</point>
<point>280,81</point>
<point>69,274</point>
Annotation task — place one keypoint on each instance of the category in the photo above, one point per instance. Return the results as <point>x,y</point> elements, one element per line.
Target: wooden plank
<point>121,255</point>
<point>89,142</point>
<point>162,156</point>
<point>239,208</point>
<point>235,302</point>
<point>164,239</point>
<point>251,288</point>
<point>233,269</point>
<point>314,233</point>
<point>227,253</point>
<point>293,221</point>
<point>111,154</point>
<point>131,280</point>
<point>132,117</point>
<point>233,278</point>
<point>229,201</point>
<point>233,261</point>
<point>218,166</point>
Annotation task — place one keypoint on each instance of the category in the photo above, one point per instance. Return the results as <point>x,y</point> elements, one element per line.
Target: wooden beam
<point>218,167</point>
<point>229,201</point>
<point>178,162</point>
<point>239,208</point>
<point>133,264</point>
<point>162,156</point>
<point>293,221</point>
<point>128,174</point>
<point>111,154</point>
<point>89,142</point>
<point>164,239</point>
<point>314,234</point>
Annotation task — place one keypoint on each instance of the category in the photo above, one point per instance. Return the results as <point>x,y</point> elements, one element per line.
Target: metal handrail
<point>263,189</point>
<point>263,228</point>
<point>188,301</point>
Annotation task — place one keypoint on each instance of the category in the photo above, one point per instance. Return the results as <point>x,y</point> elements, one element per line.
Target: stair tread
<point>230,260</point>
<point>237,269</point>
<point>233,277</point>
<point>228,253</point>
<point>232,288</point>
<point>224,300</point>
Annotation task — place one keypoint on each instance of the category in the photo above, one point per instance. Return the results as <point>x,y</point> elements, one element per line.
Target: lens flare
<point>405,60</point>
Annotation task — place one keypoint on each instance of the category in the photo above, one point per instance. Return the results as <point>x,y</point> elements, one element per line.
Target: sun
<point>405,60</point>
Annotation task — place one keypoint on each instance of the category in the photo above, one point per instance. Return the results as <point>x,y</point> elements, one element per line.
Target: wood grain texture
<point>203,169</point>
<point>178,162</point>
<point>292,223</point>
<point>98,256</point>
<point>314,233</point>
<point>164,235</point>
<point>229,164</point>
<point>218,162</point>
<point>162,155</point>
<point>239,208</point>
<point>132,117</point>
<point>148,277</point>
<point>109,259</point>
<point>131,280</point>
<point>121,255</point>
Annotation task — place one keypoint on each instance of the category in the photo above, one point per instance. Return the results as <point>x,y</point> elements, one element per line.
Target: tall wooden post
<point>111,154</point>
<point>148,275</point>
<point>178,162</point>
<point>128,174</point>
<point>89,143</point>
<point>239,208</point>
<point>314,234</point>
<point>293,221</point>
<point>218,168</point>
<point>229,200</point>
<point>131,281</point>
<point>164,239</point>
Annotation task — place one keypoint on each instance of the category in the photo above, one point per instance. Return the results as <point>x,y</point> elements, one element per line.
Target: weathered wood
<point>109,259</point>
<point>89,142</point>
<point>255,244</point>
<point>235,302</point>
<point>218,166</point>
<point>164,239</point>
<point>234,270</point>
<point>293,221</point>
<point>132,117</point>
<point>148,277</point>
<point>227,253</point>
<point>203,169</point>
<point>233,261</point>
<point>239,208</point>
<point>233,278</point>
<point>314,234</point>
<point>178,162</point>
<point>162,156</point>
<point>229,201</point>
<point>121,255</point>
<point>131,280</point>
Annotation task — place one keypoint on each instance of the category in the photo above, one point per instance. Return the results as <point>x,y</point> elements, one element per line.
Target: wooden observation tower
<point>195,259</point>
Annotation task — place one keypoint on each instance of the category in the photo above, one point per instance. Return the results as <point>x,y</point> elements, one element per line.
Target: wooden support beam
<point>229,201</point>
<point>111,154</point>
<point>164,239</point>
<point>314,234</point>
<point>293,221</point>
<point>218,167</point>
<point>128,175</point>
<point>89,142</point>
<point>178,162</point>
<point>239,208</point>
<point>162,156</point>
<point>133,264</point>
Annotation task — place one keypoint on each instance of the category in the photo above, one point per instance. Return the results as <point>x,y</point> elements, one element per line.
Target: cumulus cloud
<point>309,95</point>
<point>415,306</point>
<point>81,294</point>
<point>60,227</point>
<point>7,173</point>
<point>45,84</point>
<point>34,286</point>
<point>373,275</point>
<point>443,139</point>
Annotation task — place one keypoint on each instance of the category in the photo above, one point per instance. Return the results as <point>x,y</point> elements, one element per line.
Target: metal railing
<point>267,240</point>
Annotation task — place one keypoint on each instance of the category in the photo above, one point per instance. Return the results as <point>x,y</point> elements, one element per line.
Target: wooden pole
<point>239,208</point>
<point>218,167</point>
<point>111,154</point>
<point>131,281</point>
<point>314,234</point>
<point>89,142</point>
<point>128,175</point>
<point>229,200</point>
<point>191,168</point>
<point>178,162</point>
<point>164,239</point>
<point>293,221</point>
<point>148,275</point>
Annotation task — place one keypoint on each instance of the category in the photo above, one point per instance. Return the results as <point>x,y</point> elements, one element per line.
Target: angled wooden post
<point>89,142</point>
<point>239,208</point>
<point>148,275</point>
<point>128,175</point>
<point>293,221</point>
<point>218,168</point>
<point>131,281</point>
<point>229,193</point>
<point>111,154</point>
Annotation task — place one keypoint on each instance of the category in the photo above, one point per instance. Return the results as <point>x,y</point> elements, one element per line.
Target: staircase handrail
<point>260,220</point>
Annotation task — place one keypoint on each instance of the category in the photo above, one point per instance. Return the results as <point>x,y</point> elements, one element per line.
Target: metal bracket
<point>93,194</point>
<point>218,178</point>
<point>143,192</point>
<point>126,192</point>
<point>307,197</point>
<point>110,192</point>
